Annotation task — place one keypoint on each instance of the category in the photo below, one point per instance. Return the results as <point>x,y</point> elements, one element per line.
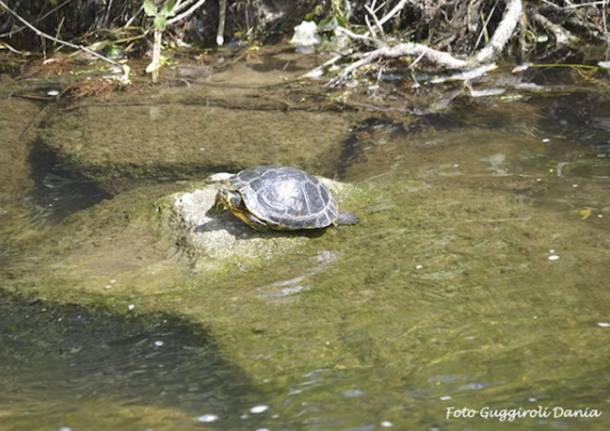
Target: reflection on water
<point>477,278</point>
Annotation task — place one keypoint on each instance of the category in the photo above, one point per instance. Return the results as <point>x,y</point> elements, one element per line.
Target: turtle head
<point>226,199</point>
<point>229,199</point>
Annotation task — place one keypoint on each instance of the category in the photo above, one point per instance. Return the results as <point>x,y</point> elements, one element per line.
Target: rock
<point>209,241</point>
<point>305,37</point>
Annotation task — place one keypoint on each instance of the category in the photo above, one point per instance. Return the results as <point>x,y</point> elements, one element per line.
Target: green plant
<point>160,17</point>
<point>161,14</point>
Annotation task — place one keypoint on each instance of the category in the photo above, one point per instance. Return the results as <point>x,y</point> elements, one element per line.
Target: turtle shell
<point>286,198</point>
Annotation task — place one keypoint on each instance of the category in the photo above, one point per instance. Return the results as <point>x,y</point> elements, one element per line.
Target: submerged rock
<point>17,179</point>
<point>117,144</point>
<point>16,116</point>
<point>208,241</point>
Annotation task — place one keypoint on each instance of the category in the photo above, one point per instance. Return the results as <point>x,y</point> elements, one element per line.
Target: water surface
<point>477,277</point>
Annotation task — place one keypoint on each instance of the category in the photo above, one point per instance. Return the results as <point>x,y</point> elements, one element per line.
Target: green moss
<point>444,288</point>
<point>116,144</point>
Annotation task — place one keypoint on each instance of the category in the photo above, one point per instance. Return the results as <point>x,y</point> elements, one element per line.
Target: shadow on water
<point>583,119</point>
<point>60,192</point>
<point>354,147</point>
<point>70,354</point>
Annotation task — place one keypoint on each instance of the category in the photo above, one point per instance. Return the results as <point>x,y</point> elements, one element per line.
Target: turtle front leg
<point>219,206</point>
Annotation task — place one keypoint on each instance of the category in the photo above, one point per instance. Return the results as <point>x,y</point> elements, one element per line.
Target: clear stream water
<point>476,284</point>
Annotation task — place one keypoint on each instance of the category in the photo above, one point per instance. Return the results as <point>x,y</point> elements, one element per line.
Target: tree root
<point>561,35</point>
<point>404,49</point>
<point>568,23</point>
<point>487,55</point>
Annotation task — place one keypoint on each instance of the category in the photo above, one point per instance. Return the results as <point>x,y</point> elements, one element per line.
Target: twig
<point>408,48</point>
<point>363,37</point>
<point>604,16</point>
<point>347,9</point>
<point>593,3</point>
<point>185,14</point>
<point>180,5</point>
<point>502,34</point>
<point>155,64</point>
<point>54,39</point>
<point>482,58</point>
<point>130,20</point>
<point>377,23</point>
<point>317,72</point>
<point>371,31</point>
<point>396,9</point>
<point>466,75</point>
<point>13,50</point>
<point>562,36</point>
<point>107,15</point>
<point>58,32</point>
<point>56,8</point>
<point>378,8</point>
<point>221,22</point>
<point>471,15</point>
<point>484,29</point>
<point>417,60</point>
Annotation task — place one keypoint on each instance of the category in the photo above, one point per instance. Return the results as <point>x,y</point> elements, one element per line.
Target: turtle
<point>280,198</point>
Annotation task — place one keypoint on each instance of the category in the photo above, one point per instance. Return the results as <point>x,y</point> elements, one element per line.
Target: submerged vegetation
<point>477,274</point>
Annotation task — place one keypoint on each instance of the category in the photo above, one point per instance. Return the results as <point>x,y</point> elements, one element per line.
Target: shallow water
<point>477,278</point>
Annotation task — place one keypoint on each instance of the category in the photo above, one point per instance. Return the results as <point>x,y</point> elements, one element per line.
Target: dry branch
<point>220,39</point>
<point>396,9</point>
<point>62,42</point>
<point>362,37</point>
<point>186,13</point>
<point>488,54</point>
<point>503,33</point>
<point>50,12</point>
<point>375,19</point>
<point>412,49</point>
<point>562,36</point>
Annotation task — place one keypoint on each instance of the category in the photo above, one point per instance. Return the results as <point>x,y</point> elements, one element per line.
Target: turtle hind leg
<point>346,218</point>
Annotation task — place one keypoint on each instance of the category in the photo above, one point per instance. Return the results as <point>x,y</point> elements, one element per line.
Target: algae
<point>443,295</point>
<point>414,291</point>
<point>114,144</point>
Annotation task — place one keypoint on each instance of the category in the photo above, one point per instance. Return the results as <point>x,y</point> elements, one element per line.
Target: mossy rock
<point>211,242</point>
